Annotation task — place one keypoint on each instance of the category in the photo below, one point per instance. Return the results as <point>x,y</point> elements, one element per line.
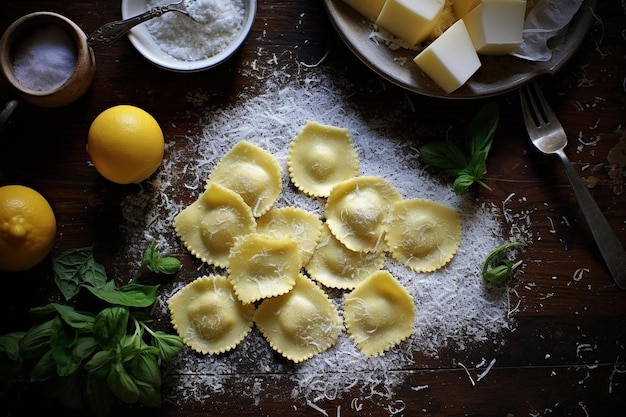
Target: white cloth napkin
<point>547,19</point>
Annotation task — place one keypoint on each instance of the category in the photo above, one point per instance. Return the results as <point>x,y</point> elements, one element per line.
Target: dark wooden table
<point>565,354</point>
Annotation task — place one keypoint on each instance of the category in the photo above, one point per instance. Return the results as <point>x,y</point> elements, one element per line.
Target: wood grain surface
<point>565,354</point>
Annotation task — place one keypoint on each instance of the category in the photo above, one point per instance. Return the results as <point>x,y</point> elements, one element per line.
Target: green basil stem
<point>482,184</point>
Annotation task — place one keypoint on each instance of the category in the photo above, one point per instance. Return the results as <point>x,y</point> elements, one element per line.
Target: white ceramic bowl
<point>143,41</point>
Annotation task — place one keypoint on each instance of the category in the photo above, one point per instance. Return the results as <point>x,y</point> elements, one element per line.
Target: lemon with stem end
<point>125,144</point>
<point>27,228</point>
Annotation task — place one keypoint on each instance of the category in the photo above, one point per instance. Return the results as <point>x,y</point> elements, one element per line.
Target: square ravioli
<point>301,323</point>
<point>379,313</point>
<point>251,172</point>
<point>321,156</point>
<point>208,316</point>
<point>263,266</point>
<point>208,226</point>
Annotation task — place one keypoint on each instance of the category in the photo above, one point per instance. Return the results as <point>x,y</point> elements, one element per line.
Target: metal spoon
<point>114,30</point>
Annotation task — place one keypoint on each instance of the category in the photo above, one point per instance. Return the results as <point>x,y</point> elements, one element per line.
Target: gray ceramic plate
<point>497,75</point>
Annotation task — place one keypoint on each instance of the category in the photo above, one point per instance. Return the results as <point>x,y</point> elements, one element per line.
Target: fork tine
<point>534,117</point>
<point>524,95</point>
<point>536,109</point>
<point>544,109</point>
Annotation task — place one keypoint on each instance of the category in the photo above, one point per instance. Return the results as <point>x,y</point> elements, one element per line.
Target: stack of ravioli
<point>279,262</point>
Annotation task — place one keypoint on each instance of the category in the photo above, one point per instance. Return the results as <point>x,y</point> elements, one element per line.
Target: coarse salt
<point>45,59</point>
<point>215,24</point>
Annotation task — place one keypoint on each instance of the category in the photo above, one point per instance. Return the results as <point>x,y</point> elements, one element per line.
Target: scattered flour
<point>454,308</point>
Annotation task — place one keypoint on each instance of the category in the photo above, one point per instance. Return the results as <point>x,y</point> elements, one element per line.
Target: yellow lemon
<point>125,144</point>
<point>27,228</point>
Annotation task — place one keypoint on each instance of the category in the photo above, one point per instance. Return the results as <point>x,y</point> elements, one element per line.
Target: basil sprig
<point>92,359</point>
<point>468,166</point>
<point>498,267</point>
<point>160,264</point>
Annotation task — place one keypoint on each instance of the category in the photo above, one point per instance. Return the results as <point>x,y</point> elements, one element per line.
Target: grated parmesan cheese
<point>453,307</point>
<point>215,24</point>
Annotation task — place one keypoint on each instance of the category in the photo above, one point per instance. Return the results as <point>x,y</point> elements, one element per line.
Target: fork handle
<point>606,239</point>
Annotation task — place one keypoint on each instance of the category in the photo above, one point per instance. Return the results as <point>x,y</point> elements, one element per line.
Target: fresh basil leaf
<point>144,367</point>
<point>121,384</point>
<point>110,326</point>
<point>100,362</point>
<point>85,347</point>
<point>150,254</point>
<point>153,262</point>
<point>445,156</point>
<point>76,267</point>
<point>45,368</point>
<point>149,395</point>
<point>62,342</point>
<point>497,275</point>
<point>10,344</point>
<point>130,295</point>
<point>36,341</point>
<point>497,267</point>
<point>76,319</point>
<point>168,345</point>
<point>146,373</point>
<point>477,167</point>
<point>481,129</point>
<point>167,265</point>
<point>130,346</point>
<point>138,295</point>
<point>66,390</point>
<point>462,183</point>
<point>98,396</point>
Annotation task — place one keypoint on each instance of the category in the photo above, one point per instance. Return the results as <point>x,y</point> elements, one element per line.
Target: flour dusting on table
<point>454,308</point>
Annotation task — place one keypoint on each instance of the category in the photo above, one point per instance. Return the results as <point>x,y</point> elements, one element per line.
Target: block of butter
<point>496,26</point>
<point>368,8</point>
<point>462,7</point>
<point>450,60</point>
<point>410,20</point>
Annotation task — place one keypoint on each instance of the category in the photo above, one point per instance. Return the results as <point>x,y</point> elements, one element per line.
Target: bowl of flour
<point>175,42</point>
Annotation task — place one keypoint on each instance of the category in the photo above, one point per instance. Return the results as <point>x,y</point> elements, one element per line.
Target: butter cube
<point>462,7</point>
<point>410,20</point>
<point>496,26</point>
<point>368,8</point>
<point>450,60</point>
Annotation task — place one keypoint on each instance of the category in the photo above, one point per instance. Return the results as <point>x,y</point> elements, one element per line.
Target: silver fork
<point>547,134</point>
<point>112,31</point>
